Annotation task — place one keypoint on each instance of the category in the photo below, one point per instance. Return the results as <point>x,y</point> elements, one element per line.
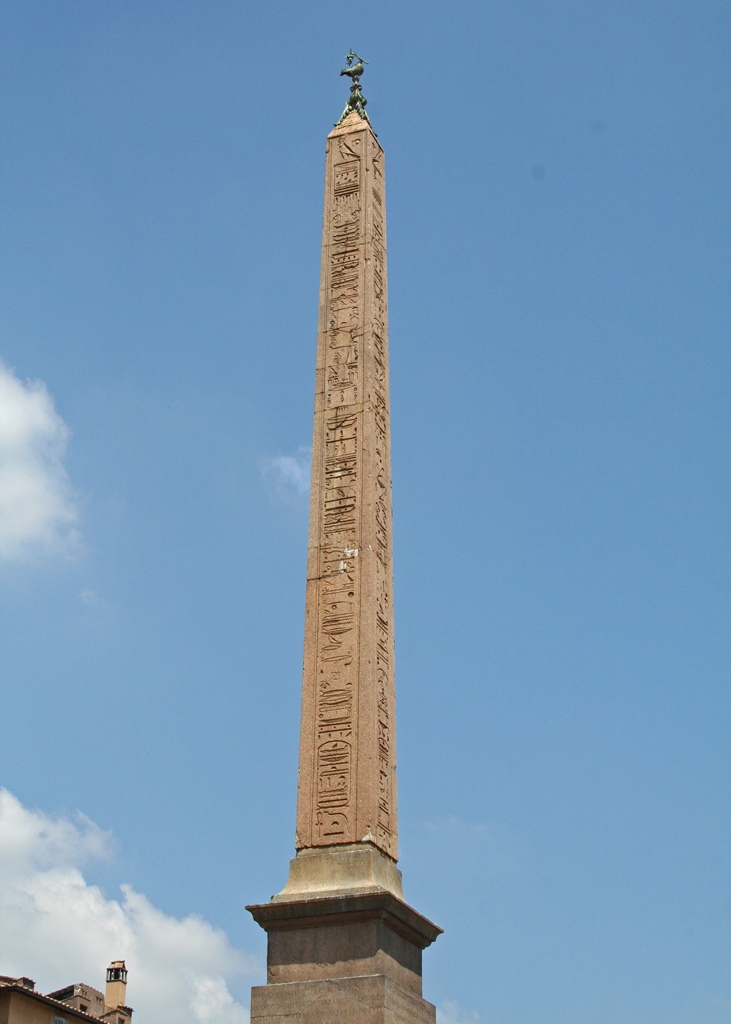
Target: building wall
<point>82,997</point>
<point>22,1008</point>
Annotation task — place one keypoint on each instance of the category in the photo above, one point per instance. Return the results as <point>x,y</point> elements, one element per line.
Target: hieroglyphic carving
<point>383,674</point>
<point>345,260</point>
<point>382,510</point>
<point>350,592</point>
<point>341,461</point>
<point>337,628</point>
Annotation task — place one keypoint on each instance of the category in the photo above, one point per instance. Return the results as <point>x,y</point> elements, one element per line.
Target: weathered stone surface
<point>355,868</point>
<point>344,936</point>
<point>365,1000</point>
<point>347,781</point>
<point>373,939</point>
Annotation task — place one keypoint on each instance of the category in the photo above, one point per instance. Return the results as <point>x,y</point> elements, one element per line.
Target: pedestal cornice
<point>348,908</point>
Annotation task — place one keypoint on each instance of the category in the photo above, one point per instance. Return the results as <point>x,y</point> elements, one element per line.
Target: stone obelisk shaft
<point>347,779</point>
<point>342,943</point>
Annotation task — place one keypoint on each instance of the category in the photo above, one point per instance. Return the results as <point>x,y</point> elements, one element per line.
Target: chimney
<point>116,994</point>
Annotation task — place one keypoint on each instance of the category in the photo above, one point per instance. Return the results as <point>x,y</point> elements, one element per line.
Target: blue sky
<point>558,225</point>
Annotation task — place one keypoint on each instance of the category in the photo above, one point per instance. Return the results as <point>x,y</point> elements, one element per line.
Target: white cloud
<point>452,1013</point>
<point>38,512</point>
<point>59,929</point>
<point>288,476</point>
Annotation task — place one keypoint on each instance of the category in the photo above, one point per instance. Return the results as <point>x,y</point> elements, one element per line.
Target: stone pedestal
<point>343,957</point>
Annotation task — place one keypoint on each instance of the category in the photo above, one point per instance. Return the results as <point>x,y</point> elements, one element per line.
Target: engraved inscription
<point>386,825</point>
<point>342,385</point>
<point>340,492</point>
<point>337,629</point>
<point>347,178</point>
<point>351,590</point>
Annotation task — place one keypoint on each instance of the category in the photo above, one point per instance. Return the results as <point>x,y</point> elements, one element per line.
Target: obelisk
<point>342,943</point>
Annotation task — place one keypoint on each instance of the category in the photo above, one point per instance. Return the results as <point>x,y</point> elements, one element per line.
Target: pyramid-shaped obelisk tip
<point>356,101</point>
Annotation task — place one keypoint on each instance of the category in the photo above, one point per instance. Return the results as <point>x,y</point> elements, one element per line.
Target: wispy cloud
<point>452,1013</point>
<point>288,476</point>
<point>38,509</point>
<point>59,929</point>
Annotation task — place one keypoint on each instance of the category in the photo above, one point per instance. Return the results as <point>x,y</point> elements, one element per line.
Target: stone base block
<point>334,959</point>
<point>359,867</point>
<point>371,999</point>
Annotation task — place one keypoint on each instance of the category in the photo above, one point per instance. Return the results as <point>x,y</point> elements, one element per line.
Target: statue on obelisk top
<point>342,942</point>
<point>356,100</point>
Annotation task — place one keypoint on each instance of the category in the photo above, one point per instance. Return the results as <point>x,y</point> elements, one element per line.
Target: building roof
<point>65,1010</point>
